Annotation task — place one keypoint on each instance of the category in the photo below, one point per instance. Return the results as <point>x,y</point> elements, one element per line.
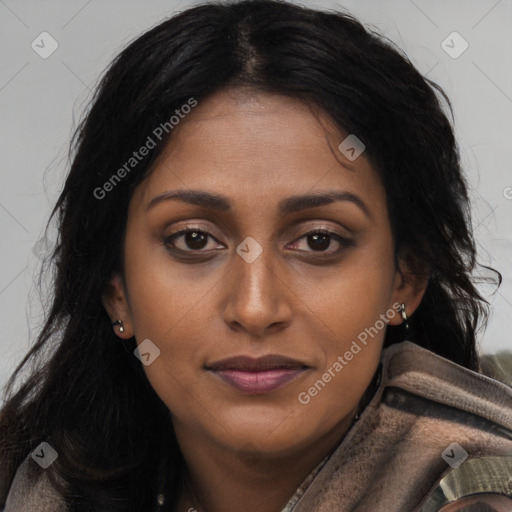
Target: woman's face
<point>257,284</point>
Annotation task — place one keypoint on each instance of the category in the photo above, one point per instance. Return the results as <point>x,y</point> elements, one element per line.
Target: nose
<point>258,297</point>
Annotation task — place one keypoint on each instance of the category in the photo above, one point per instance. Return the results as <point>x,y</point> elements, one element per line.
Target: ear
<point>115,301</point>
<point>409,289</point>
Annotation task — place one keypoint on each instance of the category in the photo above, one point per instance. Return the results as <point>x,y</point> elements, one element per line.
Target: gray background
<point>41,100</point>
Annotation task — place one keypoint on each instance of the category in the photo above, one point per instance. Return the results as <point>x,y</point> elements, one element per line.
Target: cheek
<point>352,309</point>
<point>349,362</point>
<point>173,321</point>
<point>161,297</point>
<point>167,310</point>
<point>352,297</point>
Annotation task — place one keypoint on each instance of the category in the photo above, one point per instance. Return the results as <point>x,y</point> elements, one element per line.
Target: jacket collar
<point>394,456</point>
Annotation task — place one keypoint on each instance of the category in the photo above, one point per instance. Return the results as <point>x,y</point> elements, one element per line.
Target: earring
<point>120,323</point>
<point>404,315</point>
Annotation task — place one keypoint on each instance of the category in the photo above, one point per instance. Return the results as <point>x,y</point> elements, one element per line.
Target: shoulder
<point>428,376</point>
<point>444,406</point>
<point>480,503</point>
<point>427,417</point>
<point>464,416</point>
<point>476,482</point>
<point>32,490</point>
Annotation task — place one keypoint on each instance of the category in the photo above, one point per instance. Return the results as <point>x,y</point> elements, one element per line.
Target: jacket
<point>432,433</point>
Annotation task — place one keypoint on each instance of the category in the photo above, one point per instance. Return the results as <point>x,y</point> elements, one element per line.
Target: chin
<point>258,435</point>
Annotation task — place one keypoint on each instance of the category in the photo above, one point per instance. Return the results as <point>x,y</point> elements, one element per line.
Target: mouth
<point>256,376</point>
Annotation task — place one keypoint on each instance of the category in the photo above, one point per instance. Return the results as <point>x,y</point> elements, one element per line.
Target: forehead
<point>258,148</point>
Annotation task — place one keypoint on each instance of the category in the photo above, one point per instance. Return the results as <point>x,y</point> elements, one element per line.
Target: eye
<point>190,239</point>
<point>319,240</point>
<point>195,240</point>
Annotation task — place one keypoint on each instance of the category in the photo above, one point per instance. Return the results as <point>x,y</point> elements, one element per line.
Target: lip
<point>256,364</point>
<point>258,375</point>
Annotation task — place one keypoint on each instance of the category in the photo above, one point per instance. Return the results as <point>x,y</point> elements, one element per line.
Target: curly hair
<point>86,395</point>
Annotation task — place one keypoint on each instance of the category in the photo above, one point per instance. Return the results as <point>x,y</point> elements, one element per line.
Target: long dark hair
<point>86,395</point>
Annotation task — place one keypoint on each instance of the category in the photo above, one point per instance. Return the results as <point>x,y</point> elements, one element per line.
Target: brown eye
<point>321,240</point>
<point>191,240</point>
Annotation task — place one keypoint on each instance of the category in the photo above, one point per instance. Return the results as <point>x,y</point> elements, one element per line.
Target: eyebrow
<point>289,205</point>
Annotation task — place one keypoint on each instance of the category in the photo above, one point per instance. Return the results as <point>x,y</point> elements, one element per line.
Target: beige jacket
<point>433,432</point>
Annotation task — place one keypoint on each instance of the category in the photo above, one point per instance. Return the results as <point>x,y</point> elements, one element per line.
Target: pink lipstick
<point>260,375</point>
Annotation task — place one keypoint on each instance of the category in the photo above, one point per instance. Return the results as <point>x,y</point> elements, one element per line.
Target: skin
<point>293,300</point>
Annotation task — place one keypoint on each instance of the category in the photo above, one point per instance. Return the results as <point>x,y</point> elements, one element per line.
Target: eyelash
<point>344,242</point>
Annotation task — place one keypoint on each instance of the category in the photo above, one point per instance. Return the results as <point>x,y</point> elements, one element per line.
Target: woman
<point>263,295</point>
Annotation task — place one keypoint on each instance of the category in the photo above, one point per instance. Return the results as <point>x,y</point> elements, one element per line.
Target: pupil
<point>320,241</point>
<point>195,240</point>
